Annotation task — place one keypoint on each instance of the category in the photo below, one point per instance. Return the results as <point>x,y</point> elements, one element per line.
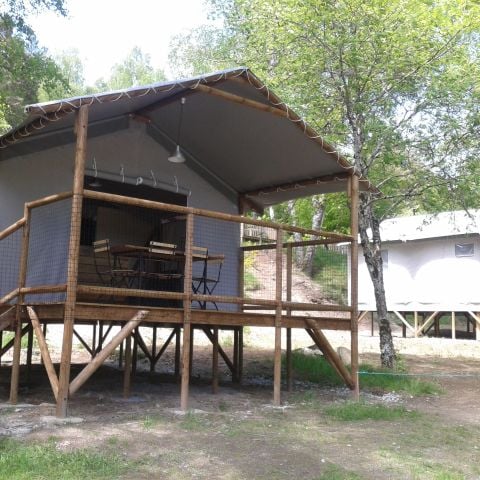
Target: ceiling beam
<point>231,97</point>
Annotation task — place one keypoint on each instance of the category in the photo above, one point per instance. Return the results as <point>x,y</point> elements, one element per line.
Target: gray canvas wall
<point>44,173</point>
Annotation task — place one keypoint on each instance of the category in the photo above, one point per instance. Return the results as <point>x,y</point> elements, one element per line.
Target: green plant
<point>251,282</point>
<point>354,411</point>
<point>330,271</point>
<point>32,461</point>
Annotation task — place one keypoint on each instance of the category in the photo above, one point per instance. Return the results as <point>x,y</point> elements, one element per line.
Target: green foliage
<point>31,461</point>
<point>251,282</point>
<point>314,368</point>
<point>330,270</point>
<point>134,70</point>
<point>24,66</point>
<point>357,411</point>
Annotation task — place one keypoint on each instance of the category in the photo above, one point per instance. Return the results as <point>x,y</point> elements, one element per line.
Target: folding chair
<point>108,268</point>
<point>206,282</point>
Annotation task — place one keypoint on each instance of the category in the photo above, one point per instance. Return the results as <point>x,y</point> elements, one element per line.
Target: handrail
<point>9,296</point>
<point>272,246</point>
<point>138,202</point>
<point>49,199</point>
<point>12,228</point>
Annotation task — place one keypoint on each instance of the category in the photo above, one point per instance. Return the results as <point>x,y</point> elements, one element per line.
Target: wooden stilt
<point>235,356</point>
<point>187,307</point>
<point>277,364</point>
<point>73,256</point>
<point>177,353</point>
<point>240,354</point>
<point>120,355</point>
<point>192,335</point>
<point>29,354</point>
<point>17,345</point>
<point>221,351</point>
<point>96,362</point>
<point>127,372</point>
<point>288,359</point>
<point>353,193</point>
<point>94,339</point>
<point>215,361</point>
<point>154,349</point>
<point>44,352</point>
<point>134,354</point>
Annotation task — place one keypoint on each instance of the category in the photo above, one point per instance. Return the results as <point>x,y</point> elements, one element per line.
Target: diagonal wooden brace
<point>47,361</point>
<point>330,354</point>
<point>98,360</point>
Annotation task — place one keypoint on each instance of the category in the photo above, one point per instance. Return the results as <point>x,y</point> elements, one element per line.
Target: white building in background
<point>431,269</point>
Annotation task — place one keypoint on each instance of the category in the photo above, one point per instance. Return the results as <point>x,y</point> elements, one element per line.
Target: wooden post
<point>277,364</point>
<point>154,349</point>
<point>192,340</point>
<point>96,362</point>
<point>22,276</point>
<point>44,352</point>
<point>135,352</point>
<point>454,326</point>
<point>354,189</point>
<point>289,330</point>
<point>29,353</point>
<point>240,354</point>
<point>177,353</point>
<point>81,122</point>
<point>235,355</point>
<point>187,310</point>
<point>94,339</point>
<point>127,369</point>
<point>215,361</point>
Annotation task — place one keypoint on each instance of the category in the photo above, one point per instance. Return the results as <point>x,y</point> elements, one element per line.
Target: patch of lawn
<point>397,381</point>
<point>334,472</point>
<point>314,368</point>
<point>354,411</point>
<point>32,461</point>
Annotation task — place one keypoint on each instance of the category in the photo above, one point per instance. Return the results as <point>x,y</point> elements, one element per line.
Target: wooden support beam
<point>44,352</point>
<point>215,361</point>
<point>80,128</point>
<point>354,197</point>
<point>277,364</point>
<point>9,296</point>
<point>427,323</point>
<point>22,276</point>
<point>164,346</point>
<point>404,321</point>
<point>29,353</point>
<point>187,312</point>
<point>177,354</point>
<point>362,315</point>
<point>98,360</point>
<point>330,354</point>
<point>221,351</point>
<point>83,342</point>
<point>11,342</point>
<point>288,360</point>
<point>127,372</point>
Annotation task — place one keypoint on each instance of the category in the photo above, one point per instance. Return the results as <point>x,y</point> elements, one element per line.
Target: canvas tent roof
<point>235,132</point>
<point>419,227</point>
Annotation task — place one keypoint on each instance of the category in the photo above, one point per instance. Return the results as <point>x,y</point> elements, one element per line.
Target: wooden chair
<point>162,258</point>
<point>108,268</point>
<point>211,270</point>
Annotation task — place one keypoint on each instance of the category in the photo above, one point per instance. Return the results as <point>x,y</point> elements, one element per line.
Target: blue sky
<point>104,31</point>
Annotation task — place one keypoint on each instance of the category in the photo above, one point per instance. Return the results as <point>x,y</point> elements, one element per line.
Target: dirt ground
<point>237,434</point>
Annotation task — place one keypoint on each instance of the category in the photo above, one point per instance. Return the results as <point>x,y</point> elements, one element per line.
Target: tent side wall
<point>47,172</point>
<point>426,275</point>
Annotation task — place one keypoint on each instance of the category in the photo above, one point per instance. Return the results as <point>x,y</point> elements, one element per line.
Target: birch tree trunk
<point>372,250</point>
<point>318,206</point>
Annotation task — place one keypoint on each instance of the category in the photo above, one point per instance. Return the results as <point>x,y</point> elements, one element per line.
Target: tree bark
<point>373,258</point>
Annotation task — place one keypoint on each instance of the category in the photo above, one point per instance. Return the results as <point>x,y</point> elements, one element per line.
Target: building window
<point>464,250</point>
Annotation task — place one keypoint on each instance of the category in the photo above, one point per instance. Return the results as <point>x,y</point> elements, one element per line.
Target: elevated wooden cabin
<point>103,224</point>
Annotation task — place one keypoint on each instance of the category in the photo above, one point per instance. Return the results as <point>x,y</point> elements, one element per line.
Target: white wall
<point>426,275</point>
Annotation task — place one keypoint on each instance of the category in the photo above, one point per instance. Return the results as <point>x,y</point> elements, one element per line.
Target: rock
<point>345,355</point>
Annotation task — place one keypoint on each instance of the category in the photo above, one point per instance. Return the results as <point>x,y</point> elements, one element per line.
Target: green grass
<point>251,282</point>
<point>356,411</point>
<point>331,272</point>
<point>32,461</point>
<point>334,472</point>
<point>314,368</point>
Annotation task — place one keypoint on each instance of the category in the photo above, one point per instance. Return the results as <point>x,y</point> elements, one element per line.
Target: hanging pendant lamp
<point>177,155</point>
